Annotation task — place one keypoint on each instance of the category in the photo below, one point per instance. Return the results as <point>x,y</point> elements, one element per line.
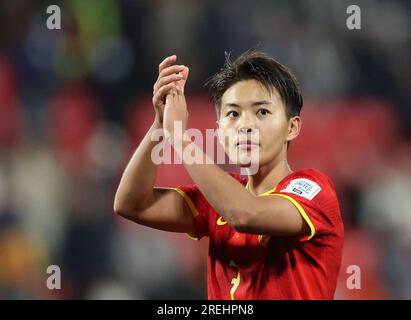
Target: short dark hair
<point>261,67</point>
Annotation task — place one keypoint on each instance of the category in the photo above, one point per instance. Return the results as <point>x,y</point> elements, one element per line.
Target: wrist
<point>180,145</point>
<point>157,123</point>
<point>178,138</point>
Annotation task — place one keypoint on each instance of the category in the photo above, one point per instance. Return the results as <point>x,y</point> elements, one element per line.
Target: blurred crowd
<point>75,102</point>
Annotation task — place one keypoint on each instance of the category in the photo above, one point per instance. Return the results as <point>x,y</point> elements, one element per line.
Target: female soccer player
<point>277,234</point>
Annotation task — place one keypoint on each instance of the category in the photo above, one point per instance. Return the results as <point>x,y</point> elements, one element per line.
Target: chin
<point>246,162</point>
<point>244,165</point>
<point>243,159</point>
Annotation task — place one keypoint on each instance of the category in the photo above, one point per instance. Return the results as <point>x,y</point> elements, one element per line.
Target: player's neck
<point>268,176</point>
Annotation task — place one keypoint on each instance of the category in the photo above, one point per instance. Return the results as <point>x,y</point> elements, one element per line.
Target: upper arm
<point>166,210</point>
<point>303,206</point>
<point>278,216</point>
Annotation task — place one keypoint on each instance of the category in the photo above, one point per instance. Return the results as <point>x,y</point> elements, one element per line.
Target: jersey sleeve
<point>199,209</point>
<point>314,197</point>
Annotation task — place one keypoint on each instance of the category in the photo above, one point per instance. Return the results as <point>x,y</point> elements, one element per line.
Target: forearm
<point>224,193</point>
<point>138,179</point>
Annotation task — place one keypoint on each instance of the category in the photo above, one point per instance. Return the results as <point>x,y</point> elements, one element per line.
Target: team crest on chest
<point>221,221</point>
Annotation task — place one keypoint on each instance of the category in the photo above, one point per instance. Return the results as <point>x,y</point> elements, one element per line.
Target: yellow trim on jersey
<point>190,203</point>
<point>235,282</point>
<point>267,192</point>
<point>295,203</point>
<point>247,186</point>
<point>192,236</point>
<point>192,207</point>
<point>300,210</point>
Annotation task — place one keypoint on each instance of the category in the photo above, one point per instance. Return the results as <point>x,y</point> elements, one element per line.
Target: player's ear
<point>294,128</point>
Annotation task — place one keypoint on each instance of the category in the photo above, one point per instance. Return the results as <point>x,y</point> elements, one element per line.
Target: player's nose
<point>246,124</point>
<point>246,129</point>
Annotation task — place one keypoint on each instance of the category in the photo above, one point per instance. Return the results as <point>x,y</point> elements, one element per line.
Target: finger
<point>168,61</point>
<point>162,92</point>
<point>169,100</point>
<point>173,91</point>
<point>170,97</point>
<point>166,80</point>
<point>183,81</point>
<point>179,95</point>
<point>179,90</point>
<point>182,98</point>
<point>185,72</point>
<point>170,70</point>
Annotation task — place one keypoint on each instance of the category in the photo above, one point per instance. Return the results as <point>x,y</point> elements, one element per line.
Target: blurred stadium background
<point>75,102</point>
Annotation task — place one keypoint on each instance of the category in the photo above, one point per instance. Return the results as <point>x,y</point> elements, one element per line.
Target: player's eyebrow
<point>255,103</point>
<point>235,105</point>
<point>258,103</point>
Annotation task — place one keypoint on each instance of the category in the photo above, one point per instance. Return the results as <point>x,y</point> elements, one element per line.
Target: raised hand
<point>169,75</point>
<point>175,115</point>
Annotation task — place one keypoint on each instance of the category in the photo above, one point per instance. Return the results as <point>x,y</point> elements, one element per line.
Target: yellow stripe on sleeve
<point>190,203</point>
<point>192,207</point>
<point>300,210</point>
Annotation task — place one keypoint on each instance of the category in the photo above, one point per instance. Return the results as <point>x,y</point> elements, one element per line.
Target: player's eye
<point>263,112</point>
<point>232,114</point>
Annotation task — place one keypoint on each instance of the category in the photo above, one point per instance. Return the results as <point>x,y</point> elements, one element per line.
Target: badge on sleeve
<point>303,187</point>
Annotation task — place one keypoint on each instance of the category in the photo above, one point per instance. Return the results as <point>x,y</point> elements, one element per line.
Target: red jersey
<point>248,266</point>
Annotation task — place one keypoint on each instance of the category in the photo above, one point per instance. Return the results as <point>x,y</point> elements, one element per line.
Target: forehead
<point>248,91</point>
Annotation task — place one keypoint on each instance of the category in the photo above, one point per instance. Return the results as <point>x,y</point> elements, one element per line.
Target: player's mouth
<point>246,145</point>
